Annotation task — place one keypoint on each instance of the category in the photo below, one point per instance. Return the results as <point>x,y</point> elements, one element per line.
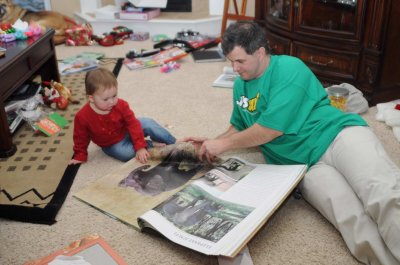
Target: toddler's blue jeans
<point>124,150</point>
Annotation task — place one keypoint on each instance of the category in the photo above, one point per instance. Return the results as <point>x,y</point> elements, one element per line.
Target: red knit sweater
<point>105,130</point>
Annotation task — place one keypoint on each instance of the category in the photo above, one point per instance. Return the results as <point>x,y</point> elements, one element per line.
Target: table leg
<point>7,148</point>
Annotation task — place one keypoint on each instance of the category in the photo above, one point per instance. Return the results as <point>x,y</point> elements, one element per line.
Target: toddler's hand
<point>74,162</point>
<point>142,155</point>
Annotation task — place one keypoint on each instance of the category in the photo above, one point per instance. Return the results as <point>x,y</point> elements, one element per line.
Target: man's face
<point>248,66</point>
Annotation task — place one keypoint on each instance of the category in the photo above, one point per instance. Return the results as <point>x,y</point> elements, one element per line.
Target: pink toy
<point>170,66</point>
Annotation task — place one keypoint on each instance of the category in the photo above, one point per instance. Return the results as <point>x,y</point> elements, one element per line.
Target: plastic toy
<point>19,31</point>
<point>8,37</point>
<point>115,37</point>
<point>170,66</point>
<point>159,37</point>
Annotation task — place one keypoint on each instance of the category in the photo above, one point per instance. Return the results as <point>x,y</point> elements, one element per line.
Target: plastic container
<point>338,96</point>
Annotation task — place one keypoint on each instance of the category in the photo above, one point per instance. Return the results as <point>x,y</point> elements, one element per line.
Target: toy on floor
<point>170,66</point>
<point>80,35</point>
<point>51,98</point>
<point>389,113</point>
<point>115,37</point>
<point>56,95</point>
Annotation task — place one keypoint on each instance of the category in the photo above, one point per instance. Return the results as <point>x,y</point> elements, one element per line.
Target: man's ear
<point>90,98</point>
<point>262,51</point>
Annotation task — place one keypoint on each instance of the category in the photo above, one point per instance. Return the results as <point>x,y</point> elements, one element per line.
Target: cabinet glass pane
<point>279,8</point>
<point>338,15</point>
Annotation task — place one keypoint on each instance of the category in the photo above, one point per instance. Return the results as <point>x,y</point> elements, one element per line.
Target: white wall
<point>216,7</point>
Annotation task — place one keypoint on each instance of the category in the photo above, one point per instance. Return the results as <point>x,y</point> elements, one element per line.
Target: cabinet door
<point>279,13</point>
<point>278,44</point>
<point>330,19</point>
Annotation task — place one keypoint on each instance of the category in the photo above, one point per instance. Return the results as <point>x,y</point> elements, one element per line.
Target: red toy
<point>79,35</point>
<point>56,95</point>
<point>115,37</point>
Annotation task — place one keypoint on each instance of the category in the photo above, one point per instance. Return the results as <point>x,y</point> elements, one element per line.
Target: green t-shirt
<point>289,98</point>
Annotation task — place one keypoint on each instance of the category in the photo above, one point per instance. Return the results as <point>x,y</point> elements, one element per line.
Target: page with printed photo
<point>216,222</point>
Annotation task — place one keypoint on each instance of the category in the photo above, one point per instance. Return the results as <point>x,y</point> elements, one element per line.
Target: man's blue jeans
<point>124,151</point>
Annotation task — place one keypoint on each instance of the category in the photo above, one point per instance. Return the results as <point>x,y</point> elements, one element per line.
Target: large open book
<point>214,209</point>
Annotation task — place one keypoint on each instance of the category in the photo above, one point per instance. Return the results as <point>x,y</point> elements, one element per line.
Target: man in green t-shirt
<point>281,106</point>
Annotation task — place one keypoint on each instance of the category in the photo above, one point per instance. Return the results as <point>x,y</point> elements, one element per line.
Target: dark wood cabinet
<point>342,41</point>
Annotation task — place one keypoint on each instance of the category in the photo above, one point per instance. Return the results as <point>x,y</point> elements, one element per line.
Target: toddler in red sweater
<point>108,121</point>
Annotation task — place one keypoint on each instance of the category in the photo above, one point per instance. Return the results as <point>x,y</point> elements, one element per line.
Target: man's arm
<point>253,136</point>
<point>231,130</point>
<point>199,140</point>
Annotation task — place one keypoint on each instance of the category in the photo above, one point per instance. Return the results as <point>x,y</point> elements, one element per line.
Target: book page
<point>229,71</point>
<point>226,79</point>
<point>131,190</point>
<point>77,66</point>
<point>218,218</point>
<point>214,209</point>
<point>273,184</point>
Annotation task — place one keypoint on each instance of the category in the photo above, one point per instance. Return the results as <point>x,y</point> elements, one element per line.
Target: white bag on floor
<point>356,103</point>
<point>388,113</point>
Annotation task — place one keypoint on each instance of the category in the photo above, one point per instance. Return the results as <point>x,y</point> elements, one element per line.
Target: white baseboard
<point>210,26</point>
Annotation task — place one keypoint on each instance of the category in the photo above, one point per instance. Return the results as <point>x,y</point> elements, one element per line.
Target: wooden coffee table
<point>24,59</point>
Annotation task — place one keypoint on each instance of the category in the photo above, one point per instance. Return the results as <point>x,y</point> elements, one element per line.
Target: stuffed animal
<point>51,97</point>
<point>9,12</point>
<point>56,95</point>
<point>64,91</point>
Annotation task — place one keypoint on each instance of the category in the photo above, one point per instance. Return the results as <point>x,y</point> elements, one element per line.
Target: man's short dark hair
<point>246,34</point>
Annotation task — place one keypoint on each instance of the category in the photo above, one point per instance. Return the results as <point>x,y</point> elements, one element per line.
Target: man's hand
<point>195,140</point>
<point>210,149</point>
<point>142,155</point>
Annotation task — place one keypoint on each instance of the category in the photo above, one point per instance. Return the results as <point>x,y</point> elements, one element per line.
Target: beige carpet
<point>33,182</point>
<point>185,102</point>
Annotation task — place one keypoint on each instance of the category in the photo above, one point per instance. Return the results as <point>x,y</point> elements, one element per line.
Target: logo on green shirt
<point>248,104</point>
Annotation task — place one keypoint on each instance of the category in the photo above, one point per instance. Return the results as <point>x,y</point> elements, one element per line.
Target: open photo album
<point>214,208</point>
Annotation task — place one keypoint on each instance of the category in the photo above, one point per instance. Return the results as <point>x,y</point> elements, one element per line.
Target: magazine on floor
<point>213,209</point>
<point>81,62</point>
<point>158,59</point>
<point>80,65</point>
<point>226,79</point>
